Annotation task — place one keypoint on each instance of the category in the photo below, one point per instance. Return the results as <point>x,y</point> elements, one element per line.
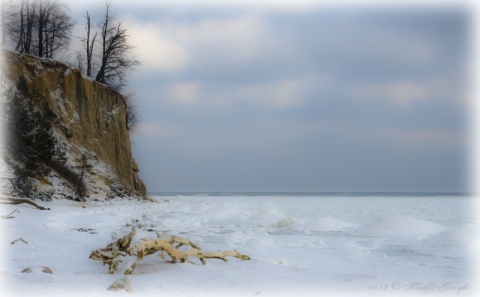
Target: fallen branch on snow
<point>11,200</point>
<point>9,216</point>
<point>119,254</point>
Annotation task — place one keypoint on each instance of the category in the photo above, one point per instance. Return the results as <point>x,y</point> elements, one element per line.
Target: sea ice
<point>300,246</point>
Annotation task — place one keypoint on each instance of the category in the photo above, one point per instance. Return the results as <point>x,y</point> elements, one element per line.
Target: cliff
<point>88,117</point>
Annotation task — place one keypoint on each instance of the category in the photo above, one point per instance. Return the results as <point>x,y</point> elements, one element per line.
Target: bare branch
<point>39,27</point>
<point>11,200</point>
<point>115,55</point>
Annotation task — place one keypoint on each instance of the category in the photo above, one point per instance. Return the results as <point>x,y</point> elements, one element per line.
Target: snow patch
<point>283,264</point>
<point>397,225</point>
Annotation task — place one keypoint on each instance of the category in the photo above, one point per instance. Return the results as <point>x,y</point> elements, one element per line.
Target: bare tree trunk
<point>46,41</point>
<point>105,28</point>
<point>41,23</point>
<point>20,43</point>
<point>89,47</point>
<point>45,9</point>
<point>31,11</point>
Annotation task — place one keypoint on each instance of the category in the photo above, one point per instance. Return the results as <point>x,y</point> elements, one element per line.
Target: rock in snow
<point>121,284</point>
<point>36,269</point>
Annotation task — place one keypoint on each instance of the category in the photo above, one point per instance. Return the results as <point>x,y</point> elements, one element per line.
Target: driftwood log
<point>122,258</point>
<point>12,200</point>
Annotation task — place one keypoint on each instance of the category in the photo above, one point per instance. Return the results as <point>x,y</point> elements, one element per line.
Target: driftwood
<point>10,215</point>
<point>11,200</point>
<point>120,256</point>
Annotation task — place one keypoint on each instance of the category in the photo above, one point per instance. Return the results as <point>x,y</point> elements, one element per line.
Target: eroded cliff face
<point>89,116</point>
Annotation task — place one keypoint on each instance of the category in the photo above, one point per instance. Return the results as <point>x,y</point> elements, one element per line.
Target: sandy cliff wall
<point>89,116</point>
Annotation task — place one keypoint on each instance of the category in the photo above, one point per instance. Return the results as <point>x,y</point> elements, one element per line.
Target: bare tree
<point>115,55</point>
<point>44,11</point>
<point>20,19</point>
<point>53,27</point>
<point>20,24</point>
<point>57,27</point>
<point>39,27</point>
<point>89,45</point>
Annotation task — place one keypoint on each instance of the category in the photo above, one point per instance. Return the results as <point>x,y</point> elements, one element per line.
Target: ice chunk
<point>267,217</point>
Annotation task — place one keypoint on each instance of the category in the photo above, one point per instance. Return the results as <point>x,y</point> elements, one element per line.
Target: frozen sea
<point>301,244</point>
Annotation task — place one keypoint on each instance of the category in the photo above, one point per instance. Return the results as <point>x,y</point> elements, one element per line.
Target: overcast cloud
<point>281,98</point>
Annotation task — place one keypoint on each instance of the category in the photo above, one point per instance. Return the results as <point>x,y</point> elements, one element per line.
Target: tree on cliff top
<point>88,43</point>
<point>115,56</point>
<point>43,28</point>
<point>38,27</point>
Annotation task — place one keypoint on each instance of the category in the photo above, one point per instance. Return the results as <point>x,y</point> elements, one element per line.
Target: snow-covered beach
<point>307,245</point>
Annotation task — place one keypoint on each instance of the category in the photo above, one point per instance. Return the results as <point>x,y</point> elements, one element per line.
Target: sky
<point>247,96</point>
